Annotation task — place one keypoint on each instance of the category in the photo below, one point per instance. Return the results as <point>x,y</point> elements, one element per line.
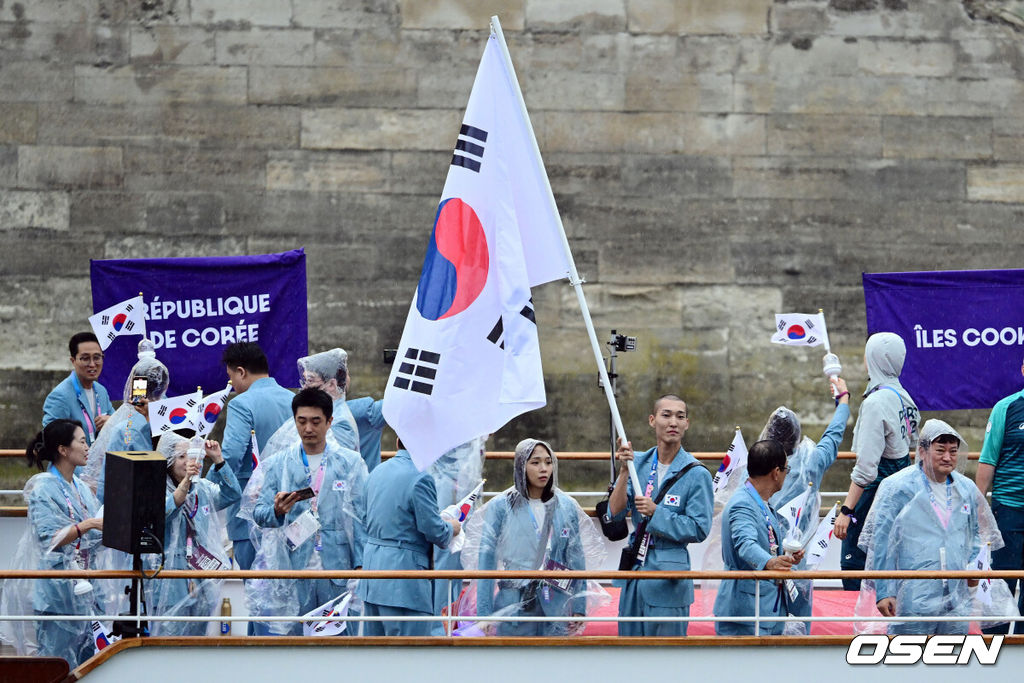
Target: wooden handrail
<point>567,455</point>
<point>507,574</point>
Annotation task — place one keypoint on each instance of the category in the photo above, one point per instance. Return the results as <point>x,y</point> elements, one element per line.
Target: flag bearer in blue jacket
<point>752,541</point>
<point>403,525</point>
<point>683,516</point>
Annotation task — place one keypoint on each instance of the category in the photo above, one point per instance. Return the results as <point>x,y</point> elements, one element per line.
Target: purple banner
<point>195,307</point>
<point>964,332</point>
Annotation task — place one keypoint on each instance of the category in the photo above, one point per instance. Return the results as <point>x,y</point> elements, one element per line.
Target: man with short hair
<point>1001,467</point>
<point>683,516</point>
<point>927,517</point>
<point>80,396</point>
<point>752,541</point>
<point>261,405</point>
<point>403,524</point>
<point>310,514</point>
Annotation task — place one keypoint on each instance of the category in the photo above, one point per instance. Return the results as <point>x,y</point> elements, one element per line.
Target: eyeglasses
<point>96,358</point>
<point>786,469</point>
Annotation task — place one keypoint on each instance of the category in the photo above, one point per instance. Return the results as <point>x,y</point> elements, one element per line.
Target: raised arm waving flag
<point>469,358</point>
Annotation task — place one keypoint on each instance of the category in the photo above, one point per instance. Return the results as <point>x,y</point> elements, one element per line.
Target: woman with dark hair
<point>533,525</point>
<point>64,532</point>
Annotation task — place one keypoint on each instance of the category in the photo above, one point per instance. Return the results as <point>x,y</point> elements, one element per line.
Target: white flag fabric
<point>461,511</point>
<point>795,510</point>
<point>469,358</point>
<point>208,410</point>
<point>822,538</point>
<point>173,413</point>
<point>800,329</point>
<point>983,562</point>
<point>329,618</point>
<point>254,449</point>
<point>125,318</point>
<point>735,458</point>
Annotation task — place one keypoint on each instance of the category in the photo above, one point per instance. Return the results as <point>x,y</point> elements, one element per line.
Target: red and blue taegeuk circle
<point>455,268</point>
<point>796,332</point>
<point>119,320</point>
<point>211,413</point>
<point>177,416</point>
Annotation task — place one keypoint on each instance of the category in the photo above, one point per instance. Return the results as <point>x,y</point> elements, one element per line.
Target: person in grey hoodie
<point>883,437</point>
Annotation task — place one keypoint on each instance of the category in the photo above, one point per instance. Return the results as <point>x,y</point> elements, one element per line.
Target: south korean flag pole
<point>574,277</point>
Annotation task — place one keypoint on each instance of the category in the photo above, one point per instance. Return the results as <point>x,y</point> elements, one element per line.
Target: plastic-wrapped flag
<point>461,512</point>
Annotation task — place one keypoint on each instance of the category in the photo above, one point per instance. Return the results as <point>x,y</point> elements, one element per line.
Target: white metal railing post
<point>757,607</point>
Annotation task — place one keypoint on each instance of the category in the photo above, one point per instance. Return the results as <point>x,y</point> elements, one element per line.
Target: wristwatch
<point>846,511</point>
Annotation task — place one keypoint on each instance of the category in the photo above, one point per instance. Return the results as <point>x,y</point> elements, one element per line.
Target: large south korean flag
<point>469,359</point>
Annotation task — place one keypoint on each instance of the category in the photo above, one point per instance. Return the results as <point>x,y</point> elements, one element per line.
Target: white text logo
<point>910,649</point>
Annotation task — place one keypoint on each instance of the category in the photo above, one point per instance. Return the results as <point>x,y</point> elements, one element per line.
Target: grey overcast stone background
<point>715,162</point>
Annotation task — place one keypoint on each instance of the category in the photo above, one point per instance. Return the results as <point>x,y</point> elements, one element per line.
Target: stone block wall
<point>715,162</point>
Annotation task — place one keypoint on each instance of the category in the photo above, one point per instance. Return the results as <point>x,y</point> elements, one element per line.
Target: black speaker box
<point>133,501</point>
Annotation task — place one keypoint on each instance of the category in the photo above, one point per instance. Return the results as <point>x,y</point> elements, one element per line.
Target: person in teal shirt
<point>1001,467</point>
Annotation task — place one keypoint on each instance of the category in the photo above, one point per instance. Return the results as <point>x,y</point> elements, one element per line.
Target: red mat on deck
<point>827,603</point>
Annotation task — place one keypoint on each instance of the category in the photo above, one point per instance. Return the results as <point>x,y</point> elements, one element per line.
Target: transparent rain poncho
<point>455,475</point>
<point>328,370</point>
<point>917,523</point>
<point>54,506</point>
<point>506,533</point>
<point>127,429</point>
<point>192,540</point>
<point>339,506</point>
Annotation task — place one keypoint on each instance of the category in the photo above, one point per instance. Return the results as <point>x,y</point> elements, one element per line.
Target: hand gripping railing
<point>459,576</point>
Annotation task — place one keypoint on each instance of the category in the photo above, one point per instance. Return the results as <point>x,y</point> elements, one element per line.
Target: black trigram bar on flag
<point>781,325</point>
<point>811,340</point>
<point>110,336</point>
<point>418,371</point>
<point>129,308</point>
<point>469,149</point>
<point>809,324</point>
<point>105,320</point>
<point>129,325</point>
<point>191,402</point>
<point>162,411</point>
<point>497,334</point>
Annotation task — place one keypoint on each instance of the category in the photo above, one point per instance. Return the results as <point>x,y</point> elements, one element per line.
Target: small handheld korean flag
<point>469,358</point>
<point>125,318</point>
<point>174,413</point>
<point>822,538</point>
<point>735,458</point>
<point>461,511</point>
<point>983,562</point>
<point>254,450</point>
<point>208,410</point>
<point>800,329</point>
<point>792,512</point>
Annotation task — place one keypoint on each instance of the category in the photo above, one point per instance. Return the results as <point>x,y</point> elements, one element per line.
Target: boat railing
<point>591,456</point>
<point>457,578</point>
